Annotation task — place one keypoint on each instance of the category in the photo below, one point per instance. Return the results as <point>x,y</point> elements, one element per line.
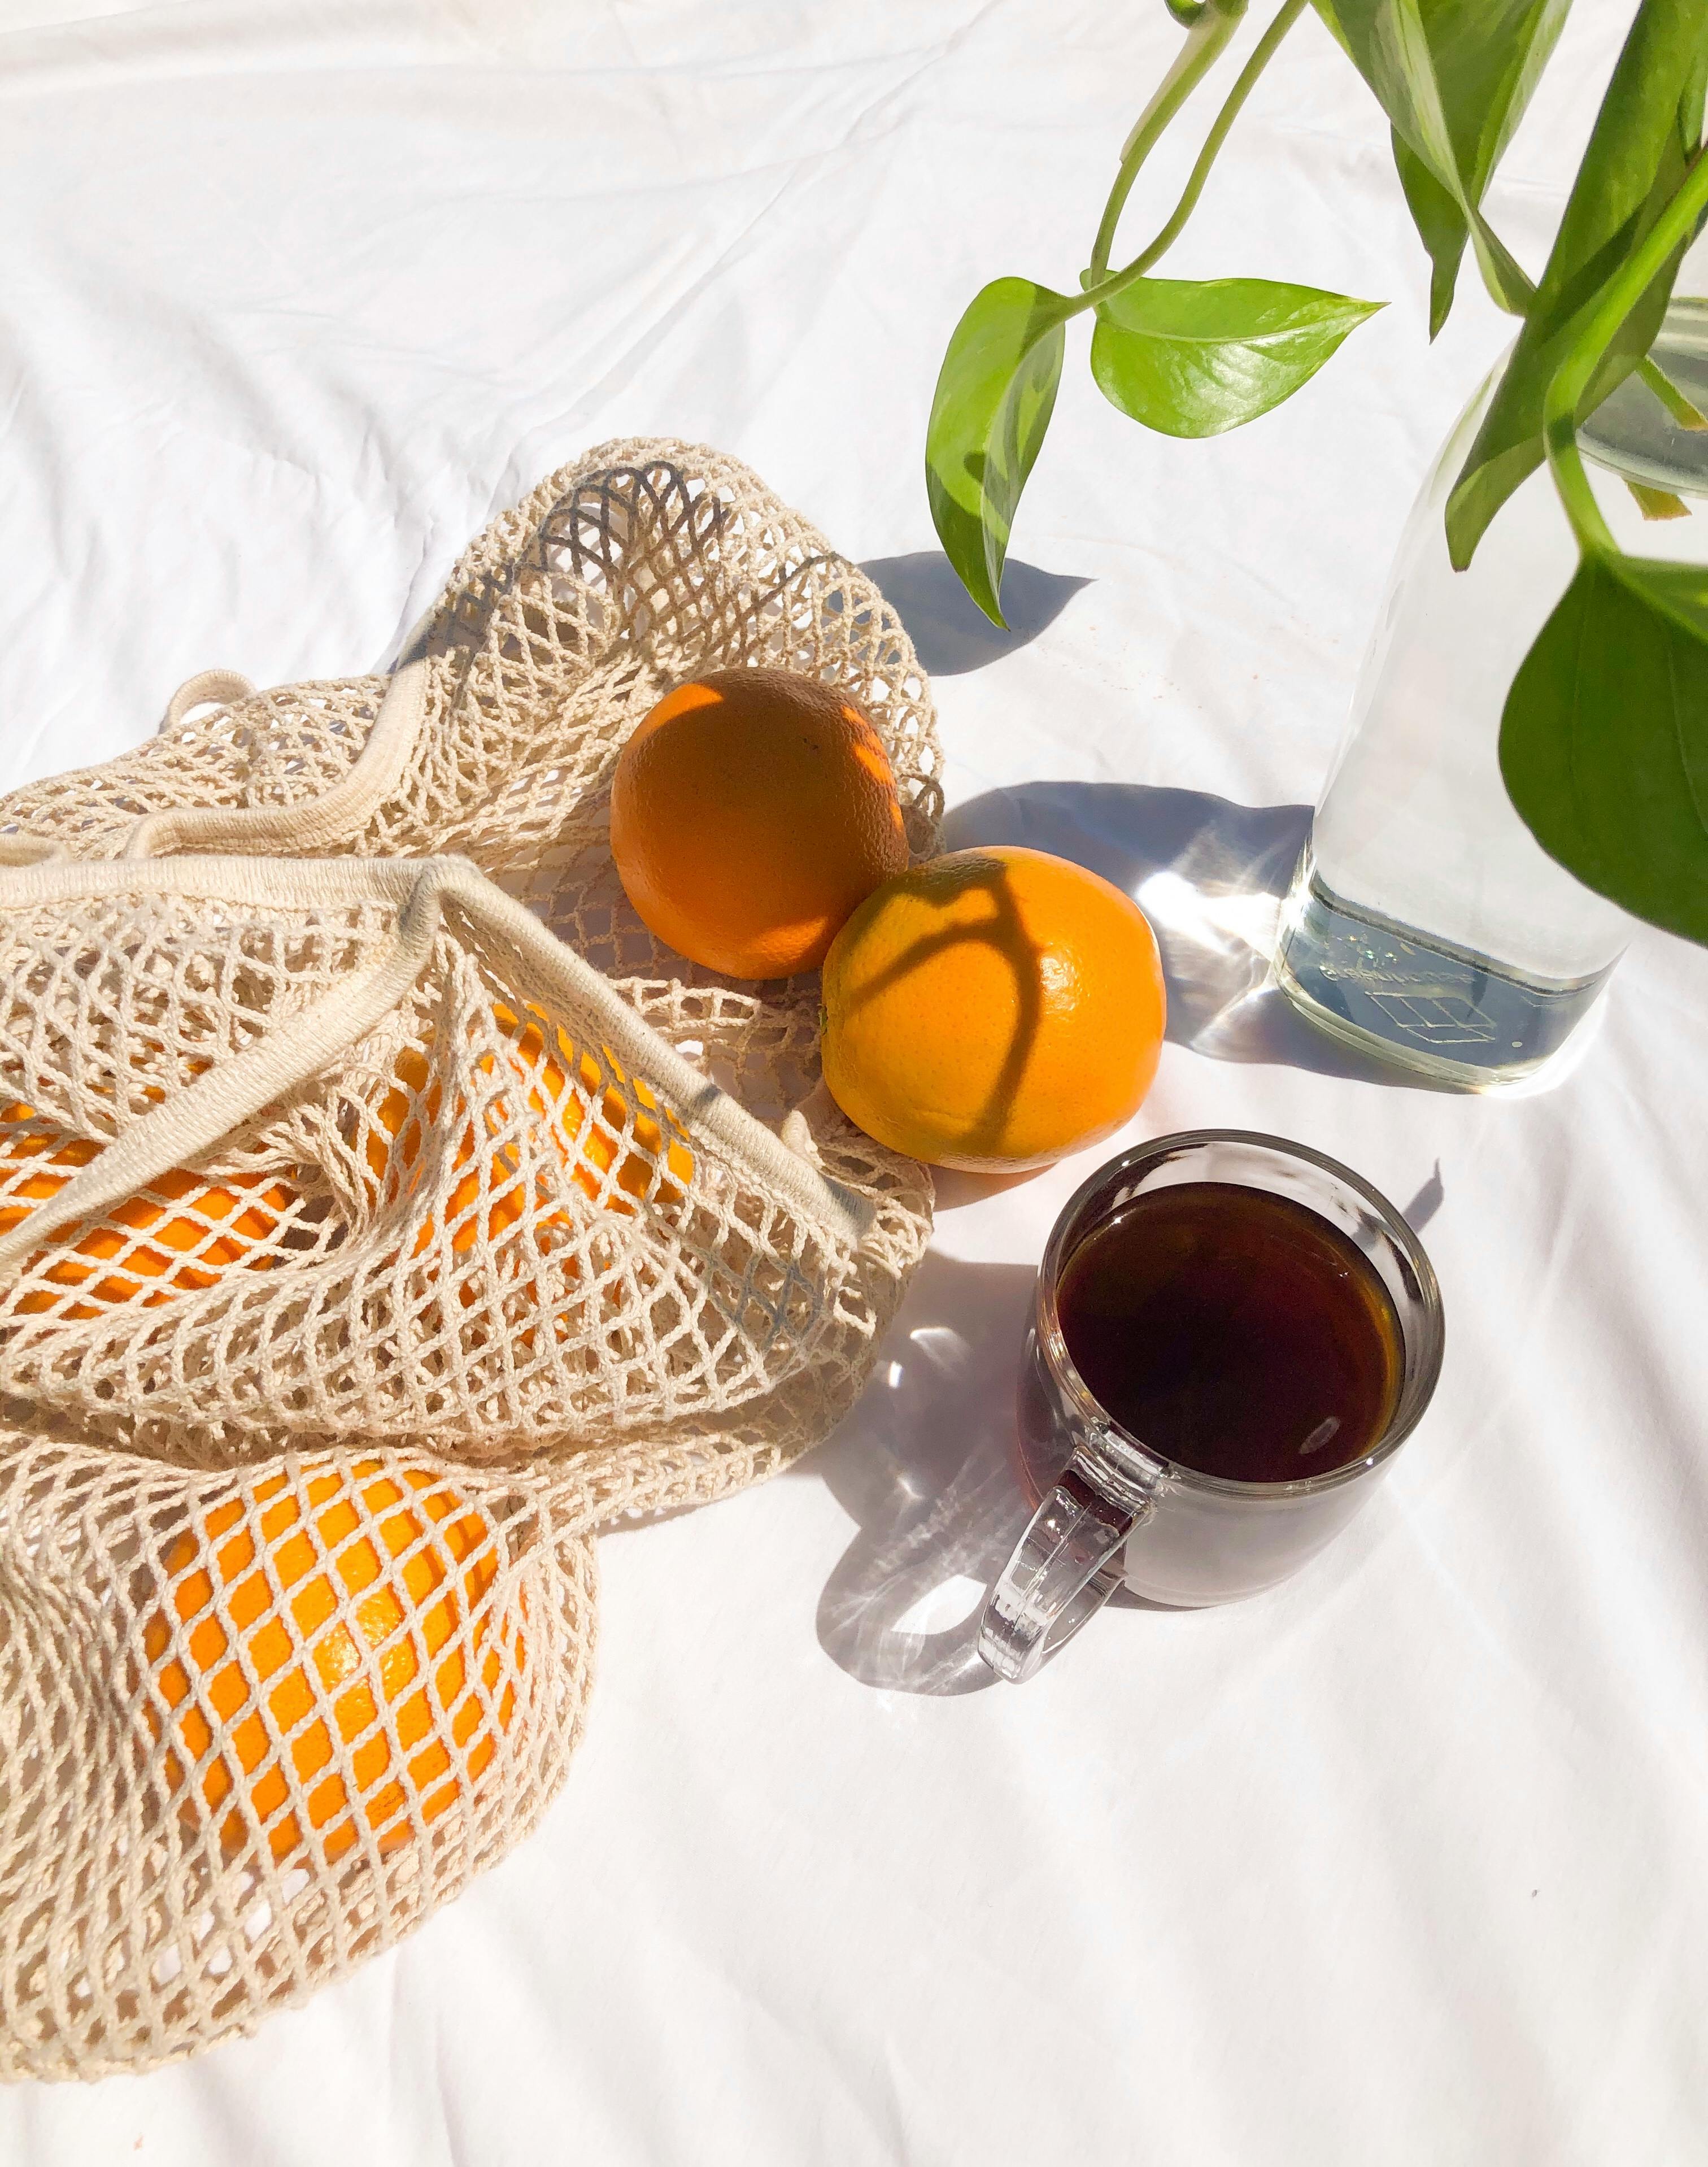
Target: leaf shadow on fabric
<point>1210,875</point>
<point>950,633</point>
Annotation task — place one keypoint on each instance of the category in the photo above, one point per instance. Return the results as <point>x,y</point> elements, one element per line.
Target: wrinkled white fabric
<point>1402,1863</point>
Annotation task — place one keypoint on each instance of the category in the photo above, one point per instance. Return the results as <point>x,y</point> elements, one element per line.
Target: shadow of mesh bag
<point>382,1211</point>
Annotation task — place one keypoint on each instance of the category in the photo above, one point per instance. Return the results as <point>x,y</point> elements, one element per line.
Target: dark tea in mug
<point>1233,1330</point>
<point>1231,1336</point>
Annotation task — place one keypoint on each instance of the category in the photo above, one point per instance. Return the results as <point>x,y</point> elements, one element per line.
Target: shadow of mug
<point>927,1466</point>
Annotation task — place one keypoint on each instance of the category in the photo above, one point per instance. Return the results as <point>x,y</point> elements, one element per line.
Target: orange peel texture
<point>993,1010</point>
<point>750,812</point>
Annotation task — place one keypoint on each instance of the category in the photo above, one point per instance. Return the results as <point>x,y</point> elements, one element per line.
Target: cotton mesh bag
<point>382,1212</point>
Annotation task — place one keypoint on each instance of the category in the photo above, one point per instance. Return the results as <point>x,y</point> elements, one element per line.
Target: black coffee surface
<point>1233,1331</point>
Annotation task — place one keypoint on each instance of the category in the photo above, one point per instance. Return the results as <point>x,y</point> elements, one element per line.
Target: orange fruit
<point>404,1653</point>
<point>144,1246</point>
<point>180,1231</point>
<point>993,1009</point>
<point>750,812</point>
<point>558,1087</point>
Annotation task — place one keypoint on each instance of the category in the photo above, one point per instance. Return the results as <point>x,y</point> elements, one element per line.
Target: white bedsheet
<point>1406,1862</point>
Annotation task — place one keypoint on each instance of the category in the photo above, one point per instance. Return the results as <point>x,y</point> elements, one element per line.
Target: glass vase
<point>1425,923</point>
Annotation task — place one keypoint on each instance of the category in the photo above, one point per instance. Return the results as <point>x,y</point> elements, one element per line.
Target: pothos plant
<point>1603,740</point>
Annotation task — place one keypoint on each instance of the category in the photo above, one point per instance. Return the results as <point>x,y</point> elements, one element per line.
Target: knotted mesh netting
<point>382,1210</point>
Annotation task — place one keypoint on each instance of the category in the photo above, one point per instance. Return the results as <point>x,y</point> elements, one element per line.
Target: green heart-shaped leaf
<point>994,394</point>
<point>1604,742</point>
<point>1192,357</point>
<point>1635,160</point>
<point>1436,213</point>
<point>1453,78</point>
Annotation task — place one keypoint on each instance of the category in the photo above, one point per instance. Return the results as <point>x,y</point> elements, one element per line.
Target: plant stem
<point>1211,30</point>
<point>1677,405</point>
<point>1608,310</point>
<point>1261,53</point>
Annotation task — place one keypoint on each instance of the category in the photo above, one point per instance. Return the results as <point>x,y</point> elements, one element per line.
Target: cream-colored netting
<point>372,1231</point>
<point>643,562</point>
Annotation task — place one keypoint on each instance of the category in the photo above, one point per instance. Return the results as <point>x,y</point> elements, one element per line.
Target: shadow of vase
<point>1211,876</point>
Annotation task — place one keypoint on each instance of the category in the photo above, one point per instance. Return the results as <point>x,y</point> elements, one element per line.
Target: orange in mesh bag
<point>152,1249</point>
<point>512,1235</point>
<point>155,1250</point>
<point>381,1579</point>
<point>371,1232</point>
<point>185,1851</point>
<point>542,1060</point>
<point>465,1134</point>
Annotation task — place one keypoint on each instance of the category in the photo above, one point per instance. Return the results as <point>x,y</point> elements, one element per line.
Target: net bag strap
<point>316,822</point>
<point>189,1125</point>
<point>208,688</point>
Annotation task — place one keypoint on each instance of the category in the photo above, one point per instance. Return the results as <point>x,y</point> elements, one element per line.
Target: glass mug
<point>1117,1509</point>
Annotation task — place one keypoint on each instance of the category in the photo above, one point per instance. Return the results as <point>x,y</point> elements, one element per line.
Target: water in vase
<point>1425,923</point>
<point>1450,1013</point>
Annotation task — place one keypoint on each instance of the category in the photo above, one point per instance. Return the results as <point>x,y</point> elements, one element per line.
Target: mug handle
<point>1064,1570</point>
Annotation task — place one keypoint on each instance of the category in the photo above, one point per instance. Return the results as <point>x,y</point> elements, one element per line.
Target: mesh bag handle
<point>301,933</point>
<point>313,823</point>
<point>189,1125</point>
